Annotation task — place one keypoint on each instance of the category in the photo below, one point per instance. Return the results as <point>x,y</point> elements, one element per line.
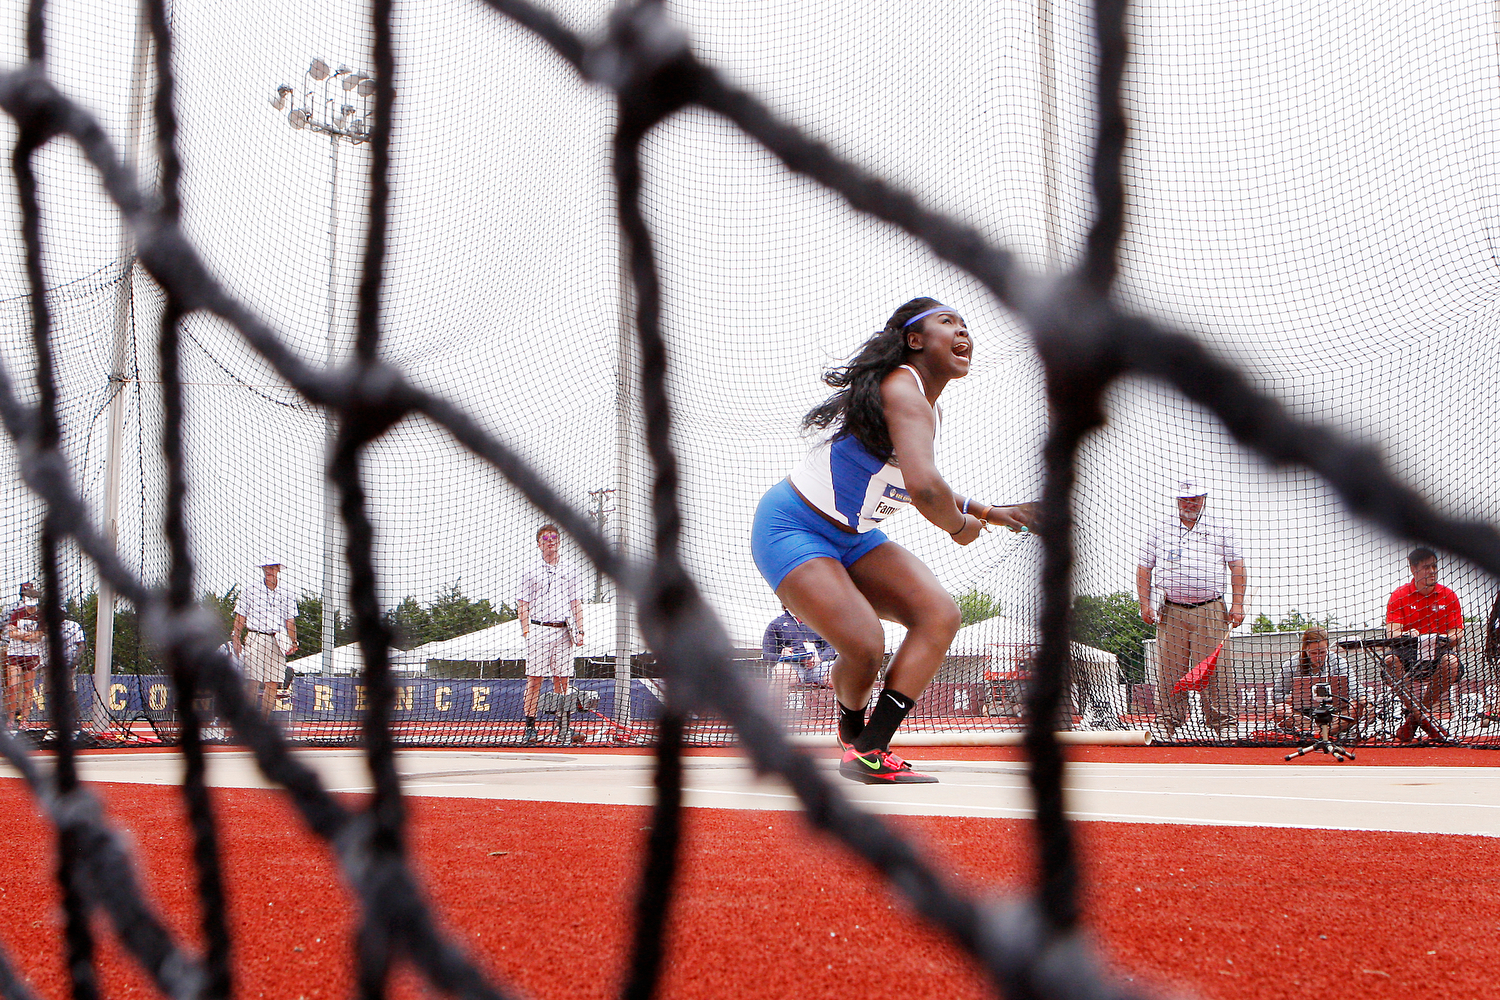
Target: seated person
<point>1430,613</point>
<point>795,653</point>
<point>1315,660</point>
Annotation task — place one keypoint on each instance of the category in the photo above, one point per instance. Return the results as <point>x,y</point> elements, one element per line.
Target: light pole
<point>335,103</point>
<point>600,515</point>
<point>120,377</point>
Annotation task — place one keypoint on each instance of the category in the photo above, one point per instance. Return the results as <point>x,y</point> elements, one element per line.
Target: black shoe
<point>531,738</point>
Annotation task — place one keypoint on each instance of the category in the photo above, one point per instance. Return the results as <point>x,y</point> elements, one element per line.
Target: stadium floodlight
<point>323,115</point>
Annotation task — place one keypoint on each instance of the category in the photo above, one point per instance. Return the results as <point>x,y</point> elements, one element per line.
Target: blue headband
<point>924,315</point>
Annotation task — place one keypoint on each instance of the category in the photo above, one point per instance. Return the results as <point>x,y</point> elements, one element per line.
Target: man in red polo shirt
<point>1429,611</point>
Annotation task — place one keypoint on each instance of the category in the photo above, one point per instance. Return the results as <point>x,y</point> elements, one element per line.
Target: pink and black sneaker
<point>880,767</point>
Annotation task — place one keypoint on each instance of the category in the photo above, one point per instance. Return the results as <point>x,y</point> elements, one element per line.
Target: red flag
<point>1197,678</point>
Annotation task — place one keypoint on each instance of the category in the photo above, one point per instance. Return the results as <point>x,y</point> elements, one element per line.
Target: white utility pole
<point>119,373</point>
<point>627,411</point>
<point>1047,87</point>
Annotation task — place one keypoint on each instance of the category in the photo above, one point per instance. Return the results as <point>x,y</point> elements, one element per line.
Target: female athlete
<point>817,543</point>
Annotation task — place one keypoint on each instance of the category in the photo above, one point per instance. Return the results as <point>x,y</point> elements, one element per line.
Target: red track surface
<point>541,894</point>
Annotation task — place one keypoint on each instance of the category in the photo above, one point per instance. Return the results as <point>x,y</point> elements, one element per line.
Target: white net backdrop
<point>1311,192</point>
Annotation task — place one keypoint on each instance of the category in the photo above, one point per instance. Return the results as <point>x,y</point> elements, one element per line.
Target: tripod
<point>1323,716</point>
<point>1417,714</point>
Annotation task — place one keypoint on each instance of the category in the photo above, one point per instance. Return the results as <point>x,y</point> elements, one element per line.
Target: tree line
<point>1109,622</point>
<point>452,613</point>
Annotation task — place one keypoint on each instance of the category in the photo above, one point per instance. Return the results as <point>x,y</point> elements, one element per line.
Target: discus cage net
<point>379,295</point>
<point>1273,212</point>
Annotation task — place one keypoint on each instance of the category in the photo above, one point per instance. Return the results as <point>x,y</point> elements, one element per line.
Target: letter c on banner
<point>117,697</point>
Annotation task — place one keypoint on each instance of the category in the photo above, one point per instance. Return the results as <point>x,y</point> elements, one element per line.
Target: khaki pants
<point>1184,636</point>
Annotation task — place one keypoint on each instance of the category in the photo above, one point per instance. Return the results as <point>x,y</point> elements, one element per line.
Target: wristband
<point>966,508</point>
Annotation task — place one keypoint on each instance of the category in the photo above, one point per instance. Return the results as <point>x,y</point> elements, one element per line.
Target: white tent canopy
<point>505,642</point>
<point>745,626</point>
<point>744,623</point>
<point>1006,643</point>
<point>346,660</point>
<point>498,642</point>
<point>986,636</point>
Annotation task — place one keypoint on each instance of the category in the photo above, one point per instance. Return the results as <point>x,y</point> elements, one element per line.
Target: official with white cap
<point>1185,557</point>
<point>263,610</point>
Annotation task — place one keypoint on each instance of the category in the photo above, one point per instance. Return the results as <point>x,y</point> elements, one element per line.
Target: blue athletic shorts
<point>787,533</point>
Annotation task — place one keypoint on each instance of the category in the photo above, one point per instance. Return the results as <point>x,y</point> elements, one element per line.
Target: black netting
<point>411,310</point>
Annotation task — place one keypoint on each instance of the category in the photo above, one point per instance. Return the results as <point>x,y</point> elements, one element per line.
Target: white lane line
<point>444,784</point>
<point>1080,789</point>
<point>1195,821</point>
<point>1122,817</point>
<point>1141,791</point>
<point>416,784</point>
<point>1288,798</point>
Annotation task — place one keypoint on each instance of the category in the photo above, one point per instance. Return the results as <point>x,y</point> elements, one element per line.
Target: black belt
<point>1179,604</point>
<point>552,624</point>
<point>259,632</point>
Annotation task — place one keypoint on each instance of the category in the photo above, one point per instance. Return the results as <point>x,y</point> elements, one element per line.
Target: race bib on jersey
<point>892,499</point>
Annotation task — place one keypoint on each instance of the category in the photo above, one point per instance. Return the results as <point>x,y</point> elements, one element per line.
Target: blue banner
<point>334,698</point>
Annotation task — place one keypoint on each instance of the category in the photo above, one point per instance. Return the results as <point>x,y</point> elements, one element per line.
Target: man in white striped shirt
<point>1185,558</point>
<point>552,623</point>
<point>264,609</point>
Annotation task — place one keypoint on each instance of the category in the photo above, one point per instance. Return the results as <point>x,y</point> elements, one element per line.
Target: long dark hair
<point>857,409</point>
<point>1313,633</point>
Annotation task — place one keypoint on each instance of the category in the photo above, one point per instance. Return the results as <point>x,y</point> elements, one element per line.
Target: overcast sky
<point>1311,192</point>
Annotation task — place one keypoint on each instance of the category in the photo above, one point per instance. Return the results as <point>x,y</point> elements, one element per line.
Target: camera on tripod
<point>1323,715</point>
<point>1322,707</point>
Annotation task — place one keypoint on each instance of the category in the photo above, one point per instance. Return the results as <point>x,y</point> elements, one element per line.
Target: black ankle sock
<point>890,711</point>
<point>851,722</point>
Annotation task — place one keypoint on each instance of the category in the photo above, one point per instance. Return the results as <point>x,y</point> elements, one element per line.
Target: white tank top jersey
<point>843,480</point>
